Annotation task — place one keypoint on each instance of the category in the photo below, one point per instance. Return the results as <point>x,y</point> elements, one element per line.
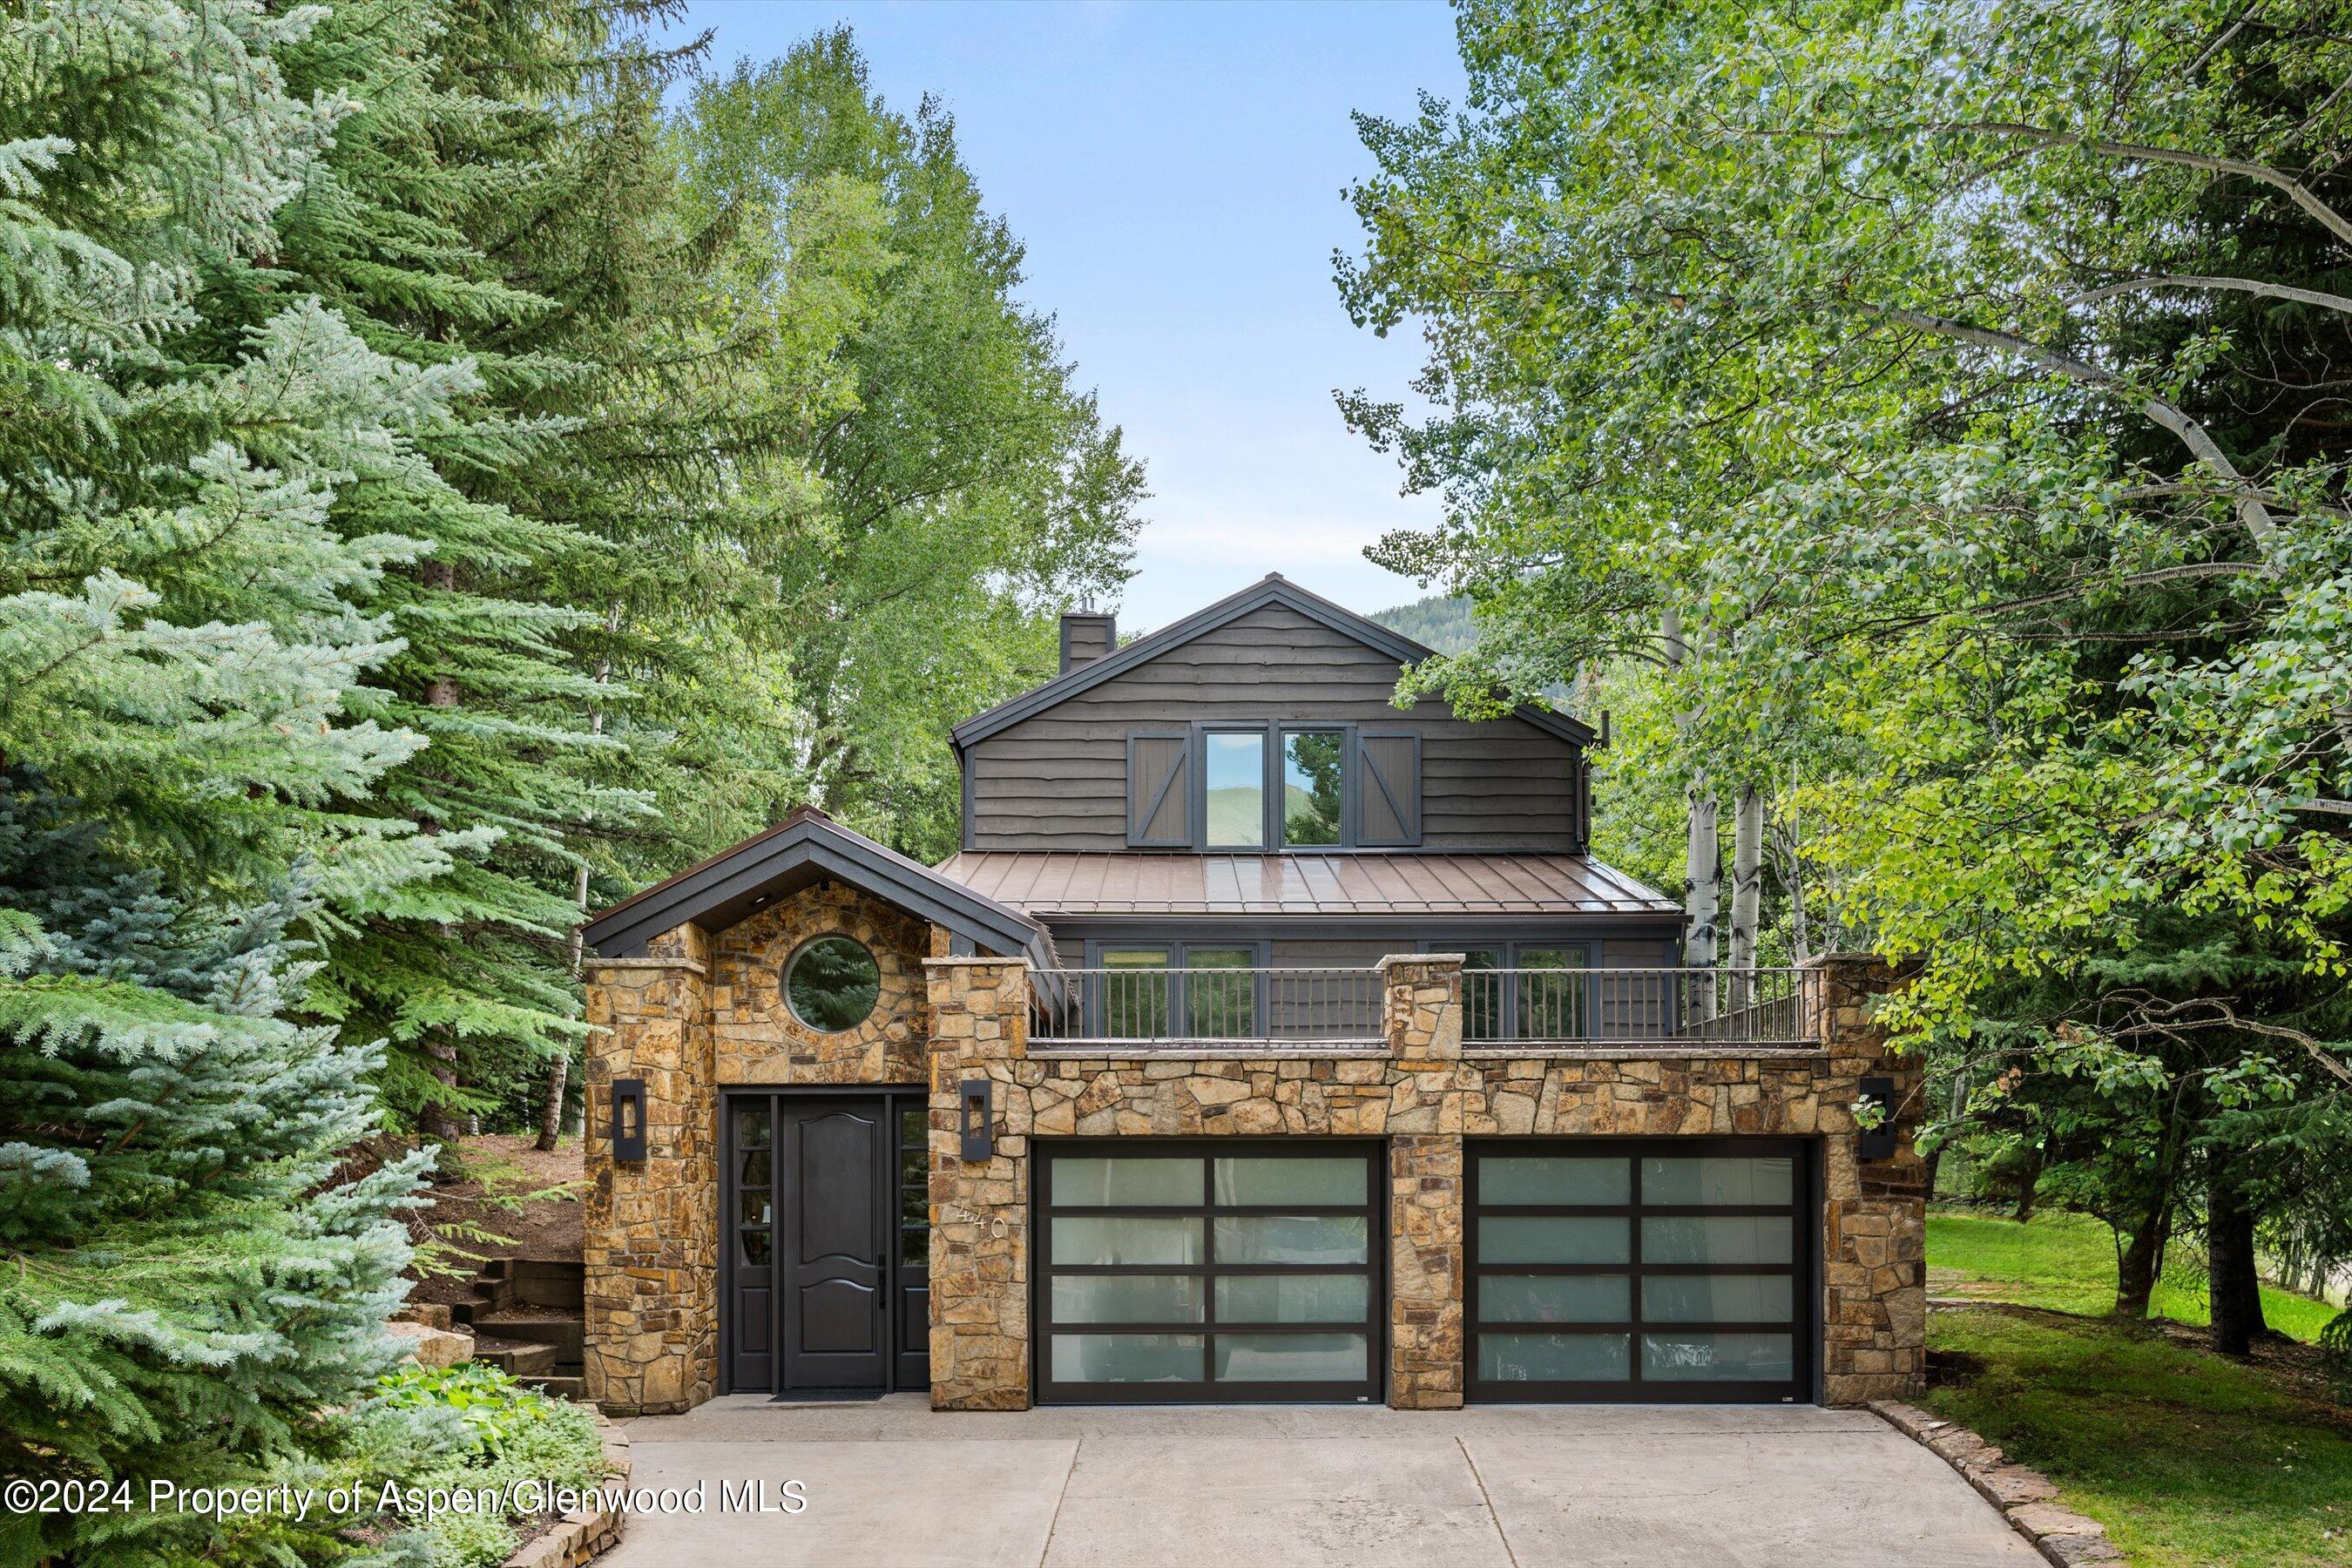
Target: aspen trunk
<point>1746,889</point>
<point>1702,852</point>
<point>559,1067</point>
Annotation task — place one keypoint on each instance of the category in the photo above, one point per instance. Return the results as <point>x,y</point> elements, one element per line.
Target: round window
<point>832,984</point>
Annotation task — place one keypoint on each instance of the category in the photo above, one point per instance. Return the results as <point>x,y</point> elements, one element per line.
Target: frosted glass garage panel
<point>1555,1238</point>
<point>1293,1238</point>
<point>1127,1299</point>
<point>1248,1181</point>
<point>1718,1357</point>
<point>1560,1180</point>
<point>1294,1299</point>
<point>1293,1358</point>
<point>1555,1358</point>
<point>1126,1182</point>
<point>1555,1298</point>
<point>1717,1238</point>
<point>1091,1240</point>
<point>1750,1181</point>
<point>1127,1358</point>
<point>1718,1299</point>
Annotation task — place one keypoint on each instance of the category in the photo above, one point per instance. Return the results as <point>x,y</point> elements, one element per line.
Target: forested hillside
<point>440,489</point>
<point>1441,621</point>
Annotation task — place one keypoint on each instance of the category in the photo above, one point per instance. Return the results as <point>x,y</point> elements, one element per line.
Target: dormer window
<point>1249,788</point>
<point>1232,777</point>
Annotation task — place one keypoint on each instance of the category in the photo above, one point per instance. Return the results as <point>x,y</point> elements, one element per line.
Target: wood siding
<point>1057,780</point>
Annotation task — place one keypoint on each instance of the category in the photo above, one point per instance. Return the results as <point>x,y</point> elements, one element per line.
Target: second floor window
<point>1233,781</point>
<point>1255,787</point>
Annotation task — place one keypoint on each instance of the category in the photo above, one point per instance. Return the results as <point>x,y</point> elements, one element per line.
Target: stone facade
<point>697,1014</point>
<point>756,1037</point>
<point>651,1245</point>
<point>700,1013</point>
<point>1424,1094</point>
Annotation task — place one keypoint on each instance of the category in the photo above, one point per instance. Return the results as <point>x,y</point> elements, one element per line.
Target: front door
<point>823,1290</point>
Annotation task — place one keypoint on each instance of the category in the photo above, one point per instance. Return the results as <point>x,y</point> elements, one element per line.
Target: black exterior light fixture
<point>628,1096</point>
<point>976,1116</point>
<point>1877,1142</point>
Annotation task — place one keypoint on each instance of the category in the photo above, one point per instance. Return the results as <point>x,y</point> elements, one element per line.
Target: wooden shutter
<point>1159,791</point>
<point>1389,791</point>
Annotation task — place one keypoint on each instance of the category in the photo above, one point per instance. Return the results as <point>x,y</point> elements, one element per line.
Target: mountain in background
<point>1441,620</point>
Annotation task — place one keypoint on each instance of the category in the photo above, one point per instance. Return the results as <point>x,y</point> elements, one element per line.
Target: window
<point>1272,786</point>
<point>1314,769</point>
<point>1234,775</point>
<point>1213,989</point>
<point>832,984</point>
<point>1547,997</point>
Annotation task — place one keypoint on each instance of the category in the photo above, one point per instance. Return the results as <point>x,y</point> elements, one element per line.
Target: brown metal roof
<point>1045,883</point>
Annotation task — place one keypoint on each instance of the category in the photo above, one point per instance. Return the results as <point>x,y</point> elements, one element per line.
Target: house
<point>1263,1041</point>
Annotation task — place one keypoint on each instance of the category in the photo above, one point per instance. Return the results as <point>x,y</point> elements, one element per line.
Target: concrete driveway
<point>1596,1487</point>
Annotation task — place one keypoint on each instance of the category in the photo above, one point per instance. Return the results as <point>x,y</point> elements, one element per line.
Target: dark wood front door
<point>823,1290</point>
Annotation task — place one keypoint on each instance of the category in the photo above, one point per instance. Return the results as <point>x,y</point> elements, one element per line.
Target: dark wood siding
<point>1057,780</point>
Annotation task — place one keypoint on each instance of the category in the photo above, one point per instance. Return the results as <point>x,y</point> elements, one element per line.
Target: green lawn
<point>2190,1460</point>
<point>2067,1262</point>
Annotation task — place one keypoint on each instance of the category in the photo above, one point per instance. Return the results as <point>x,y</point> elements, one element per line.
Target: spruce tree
<point>190,1288</point>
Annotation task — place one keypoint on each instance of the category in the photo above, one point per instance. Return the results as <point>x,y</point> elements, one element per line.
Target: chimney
<point>1087,635</point>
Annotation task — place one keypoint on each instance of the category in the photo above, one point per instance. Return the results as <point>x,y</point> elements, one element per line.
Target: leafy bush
<point>485,1431</point>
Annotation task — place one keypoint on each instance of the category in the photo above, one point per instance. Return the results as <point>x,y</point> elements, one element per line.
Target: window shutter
<point>1158,795</point>
<point>1389,769</point>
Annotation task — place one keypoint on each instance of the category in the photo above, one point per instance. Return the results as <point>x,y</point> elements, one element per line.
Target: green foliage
<point>2189,1459</point>
<point>1441,621</point>
<point>440,486</point>
<point>2010,573</point>
<point>493,1405</point>
<point>2067,1262</point>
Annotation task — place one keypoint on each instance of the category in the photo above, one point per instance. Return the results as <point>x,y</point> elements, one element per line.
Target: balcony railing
<point>1261,1006</point>
<point>1141,1008</point>
<point>1599,1006</point>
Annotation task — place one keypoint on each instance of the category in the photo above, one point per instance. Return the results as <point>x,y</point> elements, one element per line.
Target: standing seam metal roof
<point>1060,882</point>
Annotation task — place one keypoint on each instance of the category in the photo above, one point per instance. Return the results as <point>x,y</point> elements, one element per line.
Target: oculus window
<point>832,984</point>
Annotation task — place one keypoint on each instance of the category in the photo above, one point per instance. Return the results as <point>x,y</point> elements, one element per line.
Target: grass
<point>2067,1262</point>
<point>2189,1459</point>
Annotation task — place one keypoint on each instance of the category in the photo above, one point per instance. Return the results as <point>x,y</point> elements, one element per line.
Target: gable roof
<point>808,847</point>
<point>1274,589</point>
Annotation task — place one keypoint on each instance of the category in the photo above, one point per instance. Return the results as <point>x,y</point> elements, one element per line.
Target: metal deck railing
<point>1267,1007</point>
<point>1256,1005</point>
<point>1600,1006</point>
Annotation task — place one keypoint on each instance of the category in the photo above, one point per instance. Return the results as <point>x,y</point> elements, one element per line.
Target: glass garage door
<point>1657,1271</point>
<point>1219,1271</point>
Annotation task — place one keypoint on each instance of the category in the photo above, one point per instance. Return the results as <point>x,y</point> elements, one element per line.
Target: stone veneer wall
<point>696,1013</point>
<point>650,1243</point>
<point>1424,1094</point>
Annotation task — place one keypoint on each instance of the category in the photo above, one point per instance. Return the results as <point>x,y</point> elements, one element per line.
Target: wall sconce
<point>1877,1142</point>
<point>976,1101</point>
<point>628,1097</point>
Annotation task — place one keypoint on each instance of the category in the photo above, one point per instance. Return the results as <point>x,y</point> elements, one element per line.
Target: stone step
<point>560,1283</point>
<point>516,1358</point>
<point>535,1328</point>
<point>560,1386</point>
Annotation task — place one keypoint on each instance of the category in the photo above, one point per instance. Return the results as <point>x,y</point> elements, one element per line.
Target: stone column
<point>1874,1213</point>
<point>650,1247</point>
<point>979,1212</point>
<point>1426,1180</point>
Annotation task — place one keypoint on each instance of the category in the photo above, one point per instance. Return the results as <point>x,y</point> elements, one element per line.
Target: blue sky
<point>1176,172</point>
